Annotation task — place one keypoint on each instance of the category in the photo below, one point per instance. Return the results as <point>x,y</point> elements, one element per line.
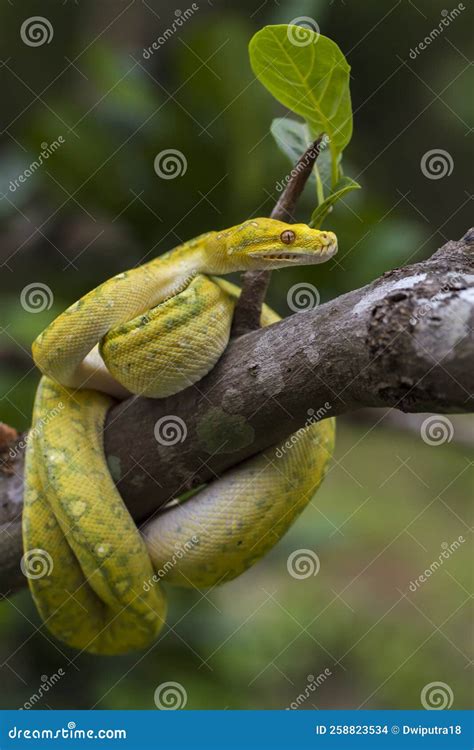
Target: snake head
<point>262,244</point>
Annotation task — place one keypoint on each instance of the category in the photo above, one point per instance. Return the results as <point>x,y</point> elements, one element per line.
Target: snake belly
<point>101,592</point>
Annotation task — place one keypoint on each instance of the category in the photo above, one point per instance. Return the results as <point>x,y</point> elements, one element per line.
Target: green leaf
<point>345,185</point>
<point>308,73</point>
<point>293,138</point>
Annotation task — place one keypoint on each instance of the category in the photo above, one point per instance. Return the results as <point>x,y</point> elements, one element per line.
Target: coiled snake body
<point>153,331</point>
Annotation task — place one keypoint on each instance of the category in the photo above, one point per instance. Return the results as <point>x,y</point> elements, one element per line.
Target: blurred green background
<point>97,207</point>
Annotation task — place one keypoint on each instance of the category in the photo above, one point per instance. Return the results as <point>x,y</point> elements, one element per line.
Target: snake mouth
<point>301,257</point>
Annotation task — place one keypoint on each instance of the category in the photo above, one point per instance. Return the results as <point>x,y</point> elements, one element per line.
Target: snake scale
<point>153,331</point>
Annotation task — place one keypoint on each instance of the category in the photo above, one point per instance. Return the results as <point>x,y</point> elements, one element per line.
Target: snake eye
<point>287,237</point>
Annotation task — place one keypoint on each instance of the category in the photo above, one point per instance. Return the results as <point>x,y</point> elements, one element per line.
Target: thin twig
<point>255,283</point>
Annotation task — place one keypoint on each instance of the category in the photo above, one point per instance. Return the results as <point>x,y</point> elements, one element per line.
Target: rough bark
<point>403,341</point>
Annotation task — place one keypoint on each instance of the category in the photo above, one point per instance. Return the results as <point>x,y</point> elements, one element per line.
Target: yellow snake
<point>153,331</point>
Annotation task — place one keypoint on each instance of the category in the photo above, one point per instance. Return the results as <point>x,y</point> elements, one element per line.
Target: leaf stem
<point>334,165</point>
<point>319,185</point>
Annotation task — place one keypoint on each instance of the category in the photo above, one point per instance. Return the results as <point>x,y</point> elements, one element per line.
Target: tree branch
<point>255,283</point>
<point>404,341</point>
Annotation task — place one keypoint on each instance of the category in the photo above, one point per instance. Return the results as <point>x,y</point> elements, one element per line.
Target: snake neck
<point>178,267</point>
<point>212,253</point>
